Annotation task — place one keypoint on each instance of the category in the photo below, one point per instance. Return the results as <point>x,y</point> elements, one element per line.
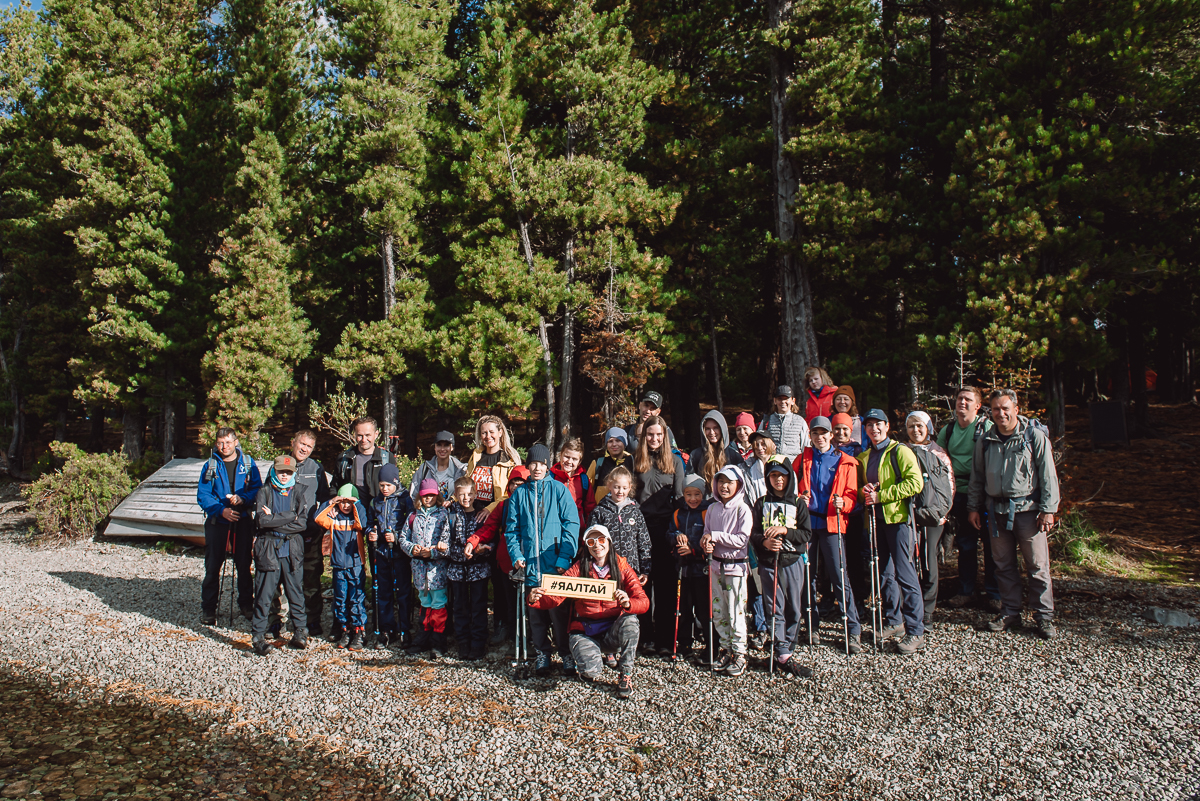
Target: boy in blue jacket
<point>541,527</point>
<point>229,483</point>
<point>390,566</point>
<point>687,526</point>
<point>344,520</point>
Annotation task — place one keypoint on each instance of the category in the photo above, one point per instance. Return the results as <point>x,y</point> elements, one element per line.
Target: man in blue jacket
<point>229,482</point>
<point>541,527</point>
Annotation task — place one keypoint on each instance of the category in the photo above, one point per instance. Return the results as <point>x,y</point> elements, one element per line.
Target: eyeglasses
<point>590,541</point>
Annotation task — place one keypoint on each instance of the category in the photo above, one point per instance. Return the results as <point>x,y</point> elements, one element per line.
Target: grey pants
<point>1035,550</point>
<point>621,639</point>
<point>266,589</point>
<point>932,536</point>
<point>789,596</point>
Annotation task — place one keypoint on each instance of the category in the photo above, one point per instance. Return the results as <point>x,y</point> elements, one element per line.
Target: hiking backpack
<point>931,505</point>
<point>210,468</point>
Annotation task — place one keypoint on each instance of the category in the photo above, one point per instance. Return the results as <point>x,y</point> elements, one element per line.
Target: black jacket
<point>285,525</point>
<point>343,472</point>
<point>781,510</point>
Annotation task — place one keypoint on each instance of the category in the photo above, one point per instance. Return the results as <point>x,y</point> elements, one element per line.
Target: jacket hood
<point>733,474</point>
<point>720,420</point>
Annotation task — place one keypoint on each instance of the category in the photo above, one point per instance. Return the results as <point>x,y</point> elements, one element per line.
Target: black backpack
<point>931,505</point>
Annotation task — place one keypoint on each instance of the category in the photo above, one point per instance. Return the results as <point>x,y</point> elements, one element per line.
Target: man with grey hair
<point>1014,480</point>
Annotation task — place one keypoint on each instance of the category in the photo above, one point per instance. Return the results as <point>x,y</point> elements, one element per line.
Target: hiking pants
<point>541,621</point>
<point>393,577</point>
<point>929,567</point>
<point>826,549</point>
<point>659,625</point>
<point>1035,550</point>
<point>729,608</point>
<point>349,597</point>
<point>788,599</point>
<point>314,569</point>
<point>266,587</point>
<point>967,538</point>
<point>470,615</point>
<point>898,577</point>
<point>620,639</point>
<point>216,529</point>
<point>693,608</point>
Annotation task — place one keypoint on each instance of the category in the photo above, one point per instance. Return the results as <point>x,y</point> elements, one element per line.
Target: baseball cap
<point>653,398</point>
<point>820,421</point>
<point>876,414</point>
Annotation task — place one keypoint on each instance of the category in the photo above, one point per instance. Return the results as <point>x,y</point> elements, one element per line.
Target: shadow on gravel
<point>55,746</point>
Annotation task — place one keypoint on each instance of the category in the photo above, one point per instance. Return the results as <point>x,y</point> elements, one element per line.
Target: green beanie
<point>348,491</point>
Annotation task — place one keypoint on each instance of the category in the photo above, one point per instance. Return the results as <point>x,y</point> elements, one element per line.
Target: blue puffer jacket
<point>389,514</point>
<point>214,484</point>
<point>542,511</point>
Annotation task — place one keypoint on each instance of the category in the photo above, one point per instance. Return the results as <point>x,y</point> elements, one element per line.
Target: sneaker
<point>356,640</point>
<point>207,619</point>
<point>792,667</point>
<point>911,645</point>
<point>757,640</point>
<point>541,665</point>
<point>959,601</point>
<point>736,666</point>
<point>262,647</point>
<point>1045,629</point>
<point>299,640</point>
<point>1003,623</point>
<point>343,640</point>
<point>569,668</point>
<point>610,661</point>
<point>992,605</point>
<point>587,678</point>
<point>722,661</point>
<point>855,644</point>
<point>624,685</point>
<point>382,641</point>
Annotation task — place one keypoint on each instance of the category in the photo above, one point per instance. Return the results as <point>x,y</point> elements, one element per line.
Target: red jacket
<point>582,490</point>
<point>845,484</point>
<point>586,609</point>
<point>820,406</point>
<point>490,532</point>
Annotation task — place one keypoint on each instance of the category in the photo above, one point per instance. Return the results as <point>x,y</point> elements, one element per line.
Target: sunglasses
<point>590,541</point>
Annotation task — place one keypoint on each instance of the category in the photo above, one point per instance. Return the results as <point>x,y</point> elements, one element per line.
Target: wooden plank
<point>133,503</point>
<point>135,528</point>
<point>169,518</point>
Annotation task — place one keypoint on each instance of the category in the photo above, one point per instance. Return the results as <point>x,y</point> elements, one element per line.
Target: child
<point>616,454</point>
<point>569,471</point>
<point>344,520</point>
<point>391,568</point>
<point>542,530</point>
<point>468,573</point>
<point>754,470</point>
<point>726,538</point>
<point>687,527</point>
<point>780,536</point>
<point>442,468</point>
<point>845,402</point>
<point>819,396</point>
<point>786,428</point>
<point>743,427</point>
<point>626,526</point>
<point>606,628</point>
<point>426,539</point>
<point>283,508</point>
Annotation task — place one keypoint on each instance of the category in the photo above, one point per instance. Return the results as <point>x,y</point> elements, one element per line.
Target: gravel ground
<point>1109,710</point>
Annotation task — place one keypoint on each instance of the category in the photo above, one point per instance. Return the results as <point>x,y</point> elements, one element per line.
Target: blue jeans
<point>350,597</point>
<point>827,551</point>
<point>967,539</point>
<point>901,586</point>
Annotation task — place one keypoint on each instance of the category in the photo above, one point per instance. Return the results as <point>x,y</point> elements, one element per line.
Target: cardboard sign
<point>573,587</point>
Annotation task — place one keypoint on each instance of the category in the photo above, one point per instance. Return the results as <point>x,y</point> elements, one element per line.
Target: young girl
<point>687,527</point>
<point>569,471</point>
<point>426,539</point>
<point>820,390</point>
<point>743,427</point>
<point>845,402</point>
<point>786,428</point>
<point>716,452</point>
<point>780,537</point>
<point>616,454</point>
<point>726,538</point>
<point>658,475</point>
<point>442,468</point>
<point>621,515</point>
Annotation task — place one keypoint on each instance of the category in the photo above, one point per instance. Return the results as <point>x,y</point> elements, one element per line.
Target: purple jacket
<point>729,526</point>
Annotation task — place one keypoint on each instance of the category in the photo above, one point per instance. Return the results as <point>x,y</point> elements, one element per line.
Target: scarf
<point>279,485</point>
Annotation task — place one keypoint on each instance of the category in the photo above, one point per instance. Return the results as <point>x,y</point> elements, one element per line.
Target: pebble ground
<point>105,638</point>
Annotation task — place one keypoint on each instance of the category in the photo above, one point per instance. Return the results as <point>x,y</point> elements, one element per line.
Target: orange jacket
<point>820,406</point>
<point>845,484</point>
<point>587,609</point>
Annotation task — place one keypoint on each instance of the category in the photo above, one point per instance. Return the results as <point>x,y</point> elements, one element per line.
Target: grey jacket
<point>790,433</point>
<point>1016,475</point>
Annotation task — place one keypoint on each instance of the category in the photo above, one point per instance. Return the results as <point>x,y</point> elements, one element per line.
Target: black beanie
<point>538,453</point>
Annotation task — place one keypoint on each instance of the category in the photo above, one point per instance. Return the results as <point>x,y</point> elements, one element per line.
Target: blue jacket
<point>690,523</point>
<point>542,510</point>
<point>389,514</point>
<point>214,484</point>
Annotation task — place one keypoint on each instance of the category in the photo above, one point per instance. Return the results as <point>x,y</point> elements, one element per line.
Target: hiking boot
<point>736,666</point>
<point>438,641</point>
<point>315,630</point>
<point>541,665</point>
<point>587,678</point>
<point>792,667</point>
<point>247,611</point>
<point>299,640</point>
<point>624,685</point>
<point>382,641</point>
<point>1045,629</point>
<point>569,668</point>
<point>344,640</point>
<point>722,661</point>
<point>208,619</point>
<point>419,643</point>
<point>911,644</point>
<point>262,647</point>
<point>959,601</point>
<point>991,605</point>
<point>336,632</point>
<point>892,631</point>
<point>757,640</point>
<point>610,661</point>
<point>500,635</point>
<point>356,640</point>
<point>855,643</point>
<point>1004,623</point>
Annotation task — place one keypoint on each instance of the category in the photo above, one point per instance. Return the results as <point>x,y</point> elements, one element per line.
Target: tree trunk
<point>169,429</point>
<point>16,444</point>
<point>387,254</point>
<point>567,368</point>
<point>60,420</point>
<point>1056,402</point>
<point>134,424</point>
<point>685,406</point>
<point>897,377</point>
<point>1137,369</point>
<point>796,312</point>
<point>716,364</point>
<point>95,442</point>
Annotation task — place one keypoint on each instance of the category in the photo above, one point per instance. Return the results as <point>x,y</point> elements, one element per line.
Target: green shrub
<point>150,463</point>
<point>408,467</point>
<point>68,504</point>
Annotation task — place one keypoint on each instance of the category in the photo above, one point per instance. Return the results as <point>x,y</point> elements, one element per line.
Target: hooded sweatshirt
<point>445,479</point>
<point>699,457</point>
<point>345,535</point>
<point>729,524</point>
<point>627,529</point>
<point>781,509</point>
<point>541,513</point>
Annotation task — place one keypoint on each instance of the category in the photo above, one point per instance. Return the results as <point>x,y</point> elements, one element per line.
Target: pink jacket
<point>729,526</point>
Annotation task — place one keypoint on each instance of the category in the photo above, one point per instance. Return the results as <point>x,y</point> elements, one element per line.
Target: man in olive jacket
<point>1014,480</point>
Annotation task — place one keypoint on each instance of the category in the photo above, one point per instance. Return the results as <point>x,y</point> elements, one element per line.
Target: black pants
<point>392,577</point>
<point>693,608</point>
<point>216,529</point>
<point>661,619</point>
<point>470,616</point>
<point>314,569</point>
<point>928,554</point>
<point>858,560</point>
<point>266,587</point>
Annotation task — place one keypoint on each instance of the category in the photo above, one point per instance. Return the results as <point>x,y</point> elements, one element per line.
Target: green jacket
<point>894,492</point>
<point>1020,470</point>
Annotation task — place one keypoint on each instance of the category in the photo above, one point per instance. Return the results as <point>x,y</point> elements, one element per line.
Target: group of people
<point>747,542</point>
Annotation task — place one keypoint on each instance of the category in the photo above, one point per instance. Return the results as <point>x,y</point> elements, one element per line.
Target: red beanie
<point>744,419</point>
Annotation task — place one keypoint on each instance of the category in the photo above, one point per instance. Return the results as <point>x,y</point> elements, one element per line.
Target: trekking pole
<point>678,595</point>
<point>774,613</point>
<point>876,590</point>
<point>814,632</point>
<point>374,556</point>
<point>708,575</point>
<point>229,549</point>
<point>842,572</point>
